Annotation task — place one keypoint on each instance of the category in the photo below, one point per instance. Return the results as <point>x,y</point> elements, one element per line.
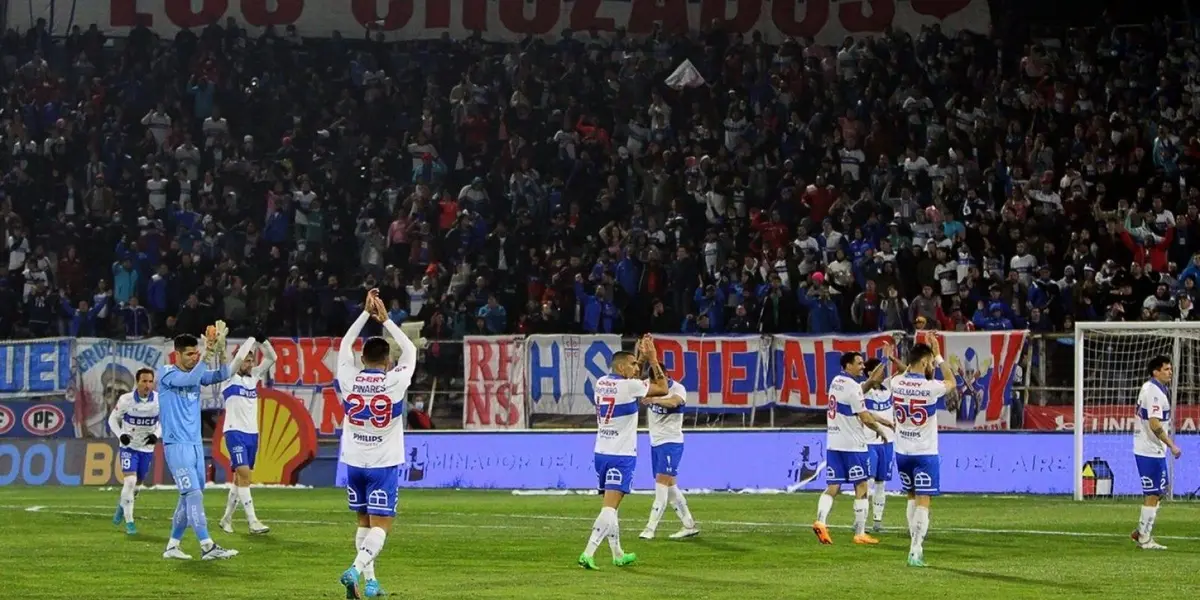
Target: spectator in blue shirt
<point>82,321</point>
<point>494,316</point>
<point>125,281</point>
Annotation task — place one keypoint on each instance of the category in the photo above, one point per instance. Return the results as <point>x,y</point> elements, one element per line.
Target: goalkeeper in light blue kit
<point>179,403</point>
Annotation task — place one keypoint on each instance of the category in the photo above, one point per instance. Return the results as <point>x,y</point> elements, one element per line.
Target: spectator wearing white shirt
<point>156,188</point>
<point>473,193</point>
<point>214,127</point>
<point>852,159</point>
<point>419,148</point>
<point>18,249</point>
<point>914,164</point>
<point>660,115</point>
<point>567,140</point>
<point>188,157</point>
<point>735,128</point>
<point>1023,264</point>
<point>159,123</point>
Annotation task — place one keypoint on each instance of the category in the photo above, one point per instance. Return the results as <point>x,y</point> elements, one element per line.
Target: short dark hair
<point>848,358</point>
<point>184,341</point>
<point>918,353</point>
<point>1157,363</point>
<point>622,356</point>
<point>375,350</point>
<point>143,371</point>
<point>871,364</point>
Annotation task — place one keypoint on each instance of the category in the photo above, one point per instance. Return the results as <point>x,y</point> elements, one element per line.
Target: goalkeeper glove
<point>125,439</point>
<point>151,439</point>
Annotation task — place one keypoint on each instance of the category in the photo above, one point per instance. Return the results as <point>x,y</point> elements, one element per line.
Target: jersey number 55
<point>914,413</point>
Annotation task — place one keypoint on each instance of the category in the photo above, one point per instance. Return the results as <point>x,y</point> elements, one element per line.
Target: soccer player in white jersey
<point>372,437</point>
<point>916,399</point>
<point>1151,440</point>
<point>617,397</point>
<point>879,403</point>
<point>241,434</point>
<point>665,415</point>
<point>135,421</point>
<point>846,456</point>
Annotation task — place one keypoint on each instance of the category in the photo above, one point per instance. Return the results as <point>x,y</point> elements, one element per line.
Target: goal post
<point>1111,360</point>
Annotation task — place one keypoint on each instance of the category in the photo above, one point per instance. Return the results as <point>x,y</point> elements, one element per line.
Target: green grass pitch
<point>60,543</point>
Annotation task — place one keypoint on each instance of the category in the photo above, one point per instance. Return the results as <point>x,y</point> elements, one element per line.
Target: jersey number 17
<point>605,405</point>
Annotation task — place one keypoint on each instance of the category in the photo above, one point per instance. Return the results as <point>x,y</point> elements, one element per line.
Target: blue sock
<point>195,514</point>
<point>179,520</point>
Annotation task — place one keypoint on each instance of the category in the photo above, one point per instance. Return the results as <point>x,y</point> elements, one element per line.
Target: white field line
<point>753,526</point>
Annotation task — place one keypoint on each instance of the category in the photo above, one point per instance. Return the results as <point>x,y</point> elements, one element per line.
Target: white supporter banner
<point>827,21</point>
<point>494,381</point>
<point>804,365</point>
<point>985,365</point>
<point>562,370</point>
<point>685,75</point>
<point>722,373</point>
<point>108,369</point>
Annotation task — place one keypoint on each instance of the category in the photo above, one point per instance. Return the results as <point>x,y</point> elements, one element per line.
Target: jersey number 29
<point>380,407</point>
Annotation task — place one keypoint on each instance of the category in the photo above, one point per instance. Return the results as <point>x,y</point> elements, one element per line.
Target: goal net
<point>1111,364</point>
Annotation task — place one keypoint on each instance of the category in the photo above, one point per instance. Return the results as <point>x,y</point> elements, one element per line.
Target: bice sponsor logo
<point>44,419</point>
<point>7,419</point>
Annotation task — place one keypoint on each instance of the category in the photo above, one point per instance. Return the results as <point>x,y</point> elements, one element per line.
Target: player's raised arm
<point>408,350</point>
<point>218,375</point>
<point>658,379</point>
<point>346,347</point>
<point>874,380</point>
<point>889,350</point>
<point>173,377</point>
<point>951,393</point>
<point>269,357</point>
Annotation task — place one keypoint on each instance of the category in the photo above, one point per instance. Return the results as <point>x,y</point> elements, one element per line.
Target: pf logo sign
<point>7,419</point>
<point>44,420</point>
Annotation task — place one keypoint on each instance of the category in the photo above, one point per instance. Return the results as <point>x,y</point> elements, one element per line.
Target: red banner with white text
<point>1104,419</point>
<point>827,21</point>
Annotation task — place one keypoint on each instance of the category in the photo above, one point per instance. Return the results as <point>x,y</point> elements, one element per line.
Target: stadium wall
<point>738,460</point>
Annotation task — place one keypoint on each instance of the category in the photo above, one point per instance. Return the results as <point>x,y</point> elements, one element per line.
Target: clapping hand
<point>374,306</point>
<point>222,335</point>
<point>646,347</point>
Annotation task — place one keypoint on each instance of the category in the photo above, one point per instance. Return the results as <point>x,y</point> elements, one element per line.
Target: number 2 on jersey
<point>604,408</point>
<point>380,407</point>
<point>915,413</point>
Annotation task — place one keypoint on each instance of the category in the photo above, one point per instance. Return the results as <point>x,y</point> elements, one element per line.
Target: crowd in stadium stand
<point>916,180</point>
